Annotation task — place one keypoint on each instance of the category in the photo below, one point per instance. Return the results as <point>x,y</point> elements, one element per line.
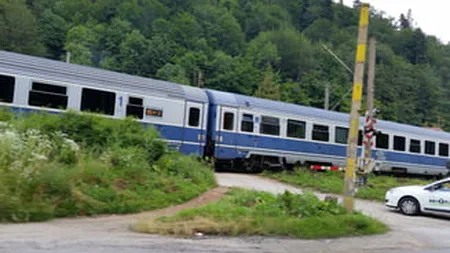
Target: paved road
<point>111,235</point>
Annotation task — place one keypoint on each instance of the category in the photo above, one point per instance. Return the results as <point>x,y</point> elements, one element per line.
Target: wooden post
<point>349,181</point>
<point>68,57</point>
<point>327,97</point>
<point>200,79</point>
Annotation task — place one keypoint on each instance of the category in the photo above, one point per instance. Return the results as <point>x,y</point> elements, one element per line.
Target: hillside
<point>267,48</point>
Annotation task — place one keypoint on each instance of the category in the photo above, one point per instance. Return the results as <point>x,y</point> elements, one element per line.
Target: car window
<point>445,186</point>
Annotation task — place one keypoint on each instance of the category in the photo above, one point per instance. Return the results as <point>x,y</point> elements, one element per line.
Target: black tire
<point>409,206</point>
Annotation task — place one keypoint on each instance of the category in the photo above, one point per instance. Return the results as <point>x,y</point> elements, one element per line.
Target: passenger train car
<point>234,130</point>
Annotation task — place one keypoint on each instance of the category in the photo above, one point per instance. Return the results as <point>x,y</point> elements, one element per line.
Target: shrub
<point>76,164</point>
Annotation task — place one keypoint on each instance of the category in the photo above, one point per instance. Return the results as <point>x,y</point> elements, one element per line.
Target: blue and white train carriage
<point>178,112</point>
<point>263,133</point>
<point>234,130</point>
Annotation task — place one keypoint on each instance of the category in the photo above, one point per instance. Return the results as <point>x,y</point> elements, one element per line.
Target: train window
<point>443,149</point>
<point>247,123</point>
<point>135,107</point>
<point>320,133</point>
<point>194,117</point>
<point>98,101</point>
<point>360,138</point>
<point>296,129</point>
<point>48,95</point>
<point>414,146</point>
<point>430,147</point>
<point>399,143</point>
<point>382,141</point>
<point>270,125</point>
<point>228,121</point>
<point>341,135</point>
<point>7,91</point>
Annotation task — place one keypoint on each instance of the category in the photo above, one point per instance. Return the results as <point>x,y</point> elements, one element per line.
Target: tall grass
<point>76,164</point>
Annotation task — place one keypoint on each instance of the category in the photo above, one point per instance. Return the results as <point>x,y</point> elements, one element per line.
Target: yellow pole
<point>349,188</point>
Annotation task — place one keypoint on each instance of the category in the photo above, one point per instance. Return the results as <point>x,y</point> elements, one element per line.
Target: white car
<point>433,198</point>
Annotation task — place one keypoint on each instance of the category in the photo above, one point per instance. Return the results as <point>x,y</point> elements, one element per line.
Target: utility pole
<point>327,97</point>
<point>200,79</point>
<point>68,57</point>
<point>349,188</point>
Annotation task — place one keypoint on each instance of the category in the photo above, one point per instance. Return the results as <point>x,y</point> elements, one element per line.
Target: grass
<point>244,212</point>
<point>75,164</point>
<point>333,182</point>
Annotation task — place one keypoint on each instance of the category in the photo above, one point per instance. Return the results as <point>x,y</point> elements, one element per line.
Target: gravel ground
<point>110,234</point>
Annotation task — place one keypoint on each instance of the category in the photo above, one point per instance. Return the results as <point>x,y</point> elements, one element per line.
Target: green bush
<point>113,166</point>
<point>245,212</point>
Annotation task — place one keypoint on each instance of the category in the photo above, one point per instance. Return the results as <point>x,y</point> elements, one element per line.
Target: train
<point>233,130</point>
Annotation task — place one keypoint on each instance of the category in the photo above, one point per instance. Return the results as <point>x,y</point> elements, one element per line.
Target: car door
<point>437,198</point>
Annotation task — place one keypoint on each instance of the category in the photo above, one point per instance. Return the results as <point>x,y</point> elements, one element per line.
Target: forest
<point>267,48</point>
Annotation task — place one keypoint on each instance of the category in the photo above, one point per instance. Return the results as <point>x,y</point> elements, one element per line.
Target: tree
<point>262,52</point>
<point>80,54</point>
<point>173,73</point>
<point>269,87</point>
<point>235,42</point>
<point>404,22</point>
<point>115,34</point>
<point>18,28</point>
<point>221,29</point>
<point>304,17</point>
<point>53,29</point>
<point>193,63</point>
<point>296,53</point>
<point>80,42</point>
<point>133,55</point>
<point>141,14</point>
<point>327,6</point>
<point>233,74</point>
<point>263,17</point>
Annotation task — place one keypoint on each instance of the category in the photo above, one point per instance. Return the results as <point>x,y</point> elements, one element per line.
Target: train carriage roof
<point>241,101</point>
<point>38,67</point>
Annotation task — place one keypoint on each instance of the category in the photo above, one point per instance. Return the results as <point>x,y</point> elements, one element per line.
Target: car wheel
<point>409,206</point>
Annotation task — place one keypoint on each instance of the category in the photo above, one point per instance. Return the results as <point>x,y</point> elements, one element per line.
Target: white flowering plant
<point>25,152</point>
<point>77,164</point>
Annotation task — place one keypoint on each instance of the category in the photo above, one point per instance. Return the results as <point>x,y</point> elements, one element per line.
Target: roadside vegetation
<point>333,182</point>
<point>73,164</point>
<point>245,212</point>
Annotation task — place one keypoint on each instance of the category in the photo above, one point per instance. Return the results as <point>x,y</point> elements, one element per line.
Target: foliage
<point>232,42</point>
<point>244,212</point>
<point>269,88</point>
<point>333,182</point>
<point>73,164</point>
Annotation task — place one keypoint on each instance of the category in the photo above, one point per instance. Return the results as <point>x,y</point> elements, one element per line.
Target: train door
<point>227,128</point>
<point>194,128</point>
<point>249,128</point>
